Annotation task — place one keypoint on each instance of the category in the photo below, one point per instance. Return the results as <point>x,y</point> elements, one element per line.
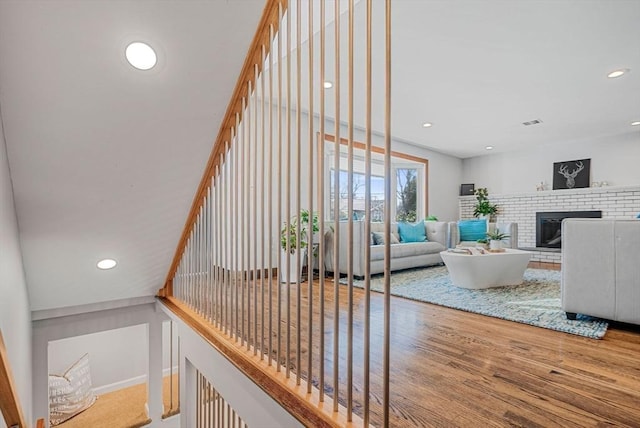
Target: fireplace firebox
<point>549,226</point>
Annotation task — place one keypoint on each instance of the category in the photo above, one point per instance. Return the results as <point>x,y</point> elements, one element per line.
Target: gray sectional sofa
<point>403,255</point>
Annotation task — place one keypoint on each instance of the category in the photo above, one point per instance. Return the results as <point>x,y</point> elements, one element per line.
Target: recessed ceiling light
<point>328,85</point>
<point>489,148</point>
<point>636,123</point>
<point>427,125</point>
<point>617,73</point>
<point>106,264</point>
<point>141,55</point>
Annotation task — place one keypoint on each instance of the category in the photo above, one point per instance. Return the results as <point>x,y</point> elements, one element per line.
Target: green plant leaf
<point>298,226</point>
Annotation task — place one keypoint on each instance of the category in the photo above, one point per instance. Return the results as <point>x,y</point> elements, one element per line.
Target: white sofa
<point>601,269</point>
<point>509,228</point>
<point>403,255</point>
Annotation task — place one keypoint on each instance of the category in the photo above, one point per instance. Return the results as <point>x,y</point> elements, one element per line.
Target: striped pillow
<point>70,393</point>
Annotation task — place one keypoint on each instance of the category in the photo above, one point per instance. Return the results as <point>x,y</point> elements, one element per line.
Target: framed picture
<point>467,189</point>
<point>573,174</point>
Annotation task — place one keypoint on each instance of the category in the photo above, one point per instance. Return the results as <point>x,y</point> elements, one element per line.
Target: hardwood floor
<point>544,265</point>
<point>456,368</point>
<point>451,368</point>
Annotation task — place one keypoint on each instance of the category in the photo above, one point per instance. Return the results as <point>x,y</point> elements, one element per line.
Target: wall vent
<point>532,122</point>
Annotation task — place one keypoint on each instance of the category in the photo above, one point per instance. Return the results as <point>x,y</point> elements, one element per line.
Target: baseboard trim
<point>137,380</point>
<point>120,385</point>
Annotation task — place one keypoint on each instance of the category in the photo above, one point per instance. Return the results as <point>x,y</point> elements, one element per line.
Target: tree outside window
<point>407,194</point>
<point>357,193</point>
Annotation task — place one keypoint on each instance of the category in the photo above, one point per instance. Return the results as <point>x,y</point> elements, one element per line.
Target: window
<point>408,178</point>
<point>407,194</point>
<point>358,195</point>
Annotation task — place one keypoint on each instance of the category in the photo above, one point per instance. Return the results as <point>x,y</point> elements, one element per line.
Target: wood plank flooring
<point>451,368</point>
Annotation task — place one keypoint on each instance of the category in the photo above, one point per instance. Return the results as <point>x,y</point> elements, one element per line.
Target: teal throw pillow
<point>412,232</point>
<point>472,230</point>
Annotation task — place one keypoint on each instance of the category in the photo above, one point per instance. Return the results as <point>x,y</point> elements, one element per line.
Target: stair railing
<point>268,197</point>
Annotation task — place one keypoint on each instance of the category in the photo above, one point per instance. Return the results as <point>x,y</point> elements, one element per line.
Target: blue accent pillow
<point>472,230</point>
<point>412,232</point>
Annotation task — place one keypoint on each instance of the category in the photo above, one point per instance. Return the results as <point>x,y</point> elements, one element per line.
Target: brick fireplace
<point>613,202</point>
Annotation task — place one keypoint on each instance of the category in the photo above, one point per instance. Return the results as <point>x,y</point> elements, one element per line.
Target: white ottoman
<point>486,270</point>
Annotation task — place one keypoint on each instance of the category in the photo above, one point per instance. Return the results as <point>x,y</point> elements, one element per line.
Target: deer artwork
<point>571,176</point>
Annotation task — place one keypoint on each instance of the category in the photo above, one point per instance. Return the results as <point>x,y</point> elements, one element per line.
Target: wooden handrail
<point>261,38</point>
<point>294,398</point>
<point>9,401</point>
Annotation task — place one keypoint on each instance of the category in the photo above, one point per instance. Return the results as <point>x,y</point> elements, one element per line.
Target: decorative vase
<point>495,244</point>
<point>295,273</point>
<point>485,217</point>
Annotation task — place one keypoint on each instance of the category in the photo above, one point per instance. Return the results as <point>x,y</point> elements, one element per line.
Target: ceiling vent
<point>532,122</point>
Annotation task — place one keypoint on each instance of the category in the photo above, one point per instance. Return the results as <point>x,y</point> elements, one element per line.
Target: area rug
<point>536,301</point>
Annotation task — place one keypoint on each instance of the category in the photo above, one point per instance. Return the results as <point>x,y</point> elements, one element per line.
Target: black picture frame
<point>467,189</point>
<point>574,174</point>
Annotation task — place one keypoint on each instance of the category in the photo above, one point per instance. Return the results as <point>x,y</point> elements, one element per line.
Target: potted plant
<point>483,208</point>
<point>296,227</point>
<point>495,239</point>
<point>483,243</point>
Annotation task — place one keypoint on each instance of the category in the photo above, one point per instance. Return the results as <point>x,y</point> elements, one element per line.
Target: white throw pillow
<point>70,393</point>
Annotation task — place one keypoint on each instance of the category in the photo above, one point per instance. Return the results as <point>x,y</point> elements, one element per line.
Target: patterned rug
<point>536,301</point>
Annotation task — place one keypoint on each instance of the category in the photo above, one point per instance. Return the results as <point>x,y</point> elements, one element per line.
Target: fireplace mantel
<point>560,192</point>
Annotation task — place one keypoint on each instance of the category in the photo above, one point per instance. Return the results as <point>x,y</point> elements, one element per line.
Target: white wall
<point>15,313</point>
<point>613,159</point>
<point>122,326</point>
<point>114,355</point>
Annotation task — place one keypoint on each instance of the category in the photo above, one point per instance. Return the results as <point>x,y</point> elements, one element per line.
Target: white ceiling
<point>478,69</point>
<point>105,159</point>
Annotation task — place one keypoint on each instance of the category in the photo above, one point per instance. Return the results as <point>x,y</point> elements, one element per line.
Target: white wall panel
<point>249,401</point>
<point>613,160</point>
